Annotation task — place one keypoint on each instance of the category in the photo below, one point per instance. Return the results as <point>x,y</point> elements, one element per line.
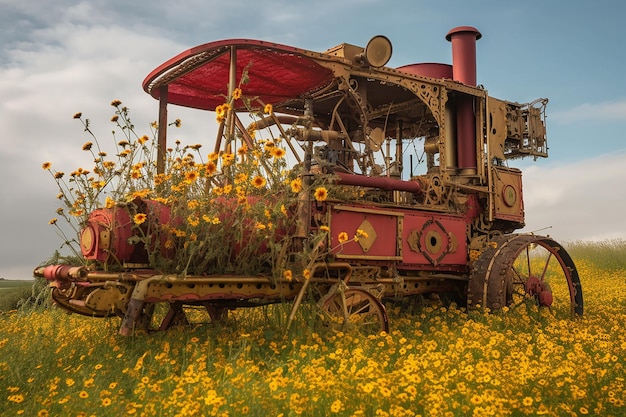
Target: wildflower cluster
<point>437,360</point>
<point>226,211</point>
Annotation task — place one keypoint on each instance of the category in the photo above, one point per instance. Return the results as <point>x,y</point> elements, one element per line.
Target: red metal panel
<point>434,240</point>
<point>383,235</point>
<point>427,240</point>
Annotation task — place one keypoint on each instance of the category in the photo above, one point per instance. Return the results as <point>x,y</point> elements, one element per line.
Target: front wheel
<point>355,307</point>
<point>514,269</point>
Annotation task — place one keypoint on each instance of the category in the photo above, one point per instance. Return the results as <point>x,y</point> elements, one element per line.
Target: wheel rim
<point>356,308</point>
<point>523,269</point>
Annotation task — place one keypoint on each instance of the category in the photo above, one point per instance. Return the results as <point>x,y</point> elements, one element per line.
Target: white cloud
<point>584,200</point>
<point>599,112</point>
<point>70,68</point>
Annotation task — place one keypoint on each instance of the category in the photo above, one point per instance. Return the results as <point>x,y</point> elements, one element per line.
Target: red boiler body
<point>107,235</point>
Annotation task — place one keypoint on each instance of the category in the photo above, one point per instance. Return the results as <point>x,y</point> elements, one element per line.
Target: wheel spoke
<point>545,268</point>
<point>520,280</point>
<point>528,259</point>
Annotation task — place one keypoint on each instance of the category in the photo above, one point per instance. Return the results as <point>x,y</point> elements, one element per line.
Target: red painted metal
<point>428,69</point>
<point>384,183</point>
<point>107,232</point>
<point>452,253</point>
<point>385,244</point>
<point>117,224</point>
<point>63,272</point>
<point>276,73</point>
<point>463,40</point>
<point>540,290</point>
<point>546,298</point>
<point>466,134</point>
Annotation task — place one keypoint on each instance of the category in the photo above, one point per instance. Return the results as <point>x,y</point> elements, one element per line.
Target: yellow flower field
<point>436,361</point>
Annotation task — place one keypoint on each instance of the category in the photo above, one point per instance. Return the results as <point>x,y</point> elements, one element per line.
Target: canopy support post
<point>232,81</point>
<point>162,130</point>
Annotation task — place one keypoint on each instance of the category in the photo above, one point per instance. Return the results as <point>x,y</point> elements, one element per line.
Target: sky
<point>63,57</point>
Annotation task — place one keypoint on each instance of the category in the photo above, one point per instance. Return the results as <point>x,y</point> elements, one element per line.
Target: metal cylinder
<point>463,40</point>
<point>384,183</point>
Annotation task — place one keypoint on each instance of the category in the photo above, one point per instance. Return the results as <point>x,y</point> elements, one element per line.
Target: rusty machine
<point>344,116</point>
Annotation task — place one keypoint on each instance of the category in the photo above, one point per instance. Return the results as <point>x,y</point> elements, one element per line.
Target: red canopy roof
<point>277,73</point>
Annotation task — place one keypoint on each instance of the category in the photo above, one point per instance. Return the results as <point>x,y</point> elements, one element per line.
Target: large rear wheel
<point>518,269</point>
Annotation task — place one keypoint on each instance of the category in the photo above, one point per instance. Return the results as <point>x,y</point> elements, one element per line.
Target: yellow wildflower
<point>191,176</point>
<point>336,406</point>
<point>296,185</point>
<point>321,194</point>
<point>361,233</point>
<point>139,218</point>
<point>288,275</point>
<point>241,178</point>
<point>210,168</point>
<point>278,152</point>
<point>259,181</point>
<point>228,158</point>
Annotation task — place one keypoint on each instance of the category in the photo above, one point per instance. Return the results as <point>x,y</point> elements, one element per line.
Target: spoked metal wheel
<point>355,308</point>
<point>516,269</point>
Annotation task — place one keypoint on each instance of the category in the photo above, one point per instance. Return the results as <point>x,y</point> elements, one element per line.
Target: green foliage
<point>23,295</point>
<point>606,254</point>
<point>11,296</point>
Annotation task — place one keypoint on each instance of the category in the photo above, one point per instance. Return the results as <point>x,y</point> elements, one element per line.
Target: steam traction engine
<point>350,119</point>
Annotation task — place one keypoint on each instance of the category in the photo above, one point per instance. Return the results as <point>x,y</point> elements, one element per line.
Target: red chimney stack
<point>463,40</point>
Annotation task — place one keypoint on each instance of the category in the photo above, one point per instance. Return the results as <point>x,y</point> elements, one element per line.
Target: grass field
<point>12,283</point>
<point>436,361</point>
<point>13,291</point>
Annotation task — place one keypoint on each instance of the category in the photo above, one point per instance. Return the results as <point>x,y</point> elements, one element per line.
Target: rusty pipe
<point>60,272</point>
<point>384,183</point>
